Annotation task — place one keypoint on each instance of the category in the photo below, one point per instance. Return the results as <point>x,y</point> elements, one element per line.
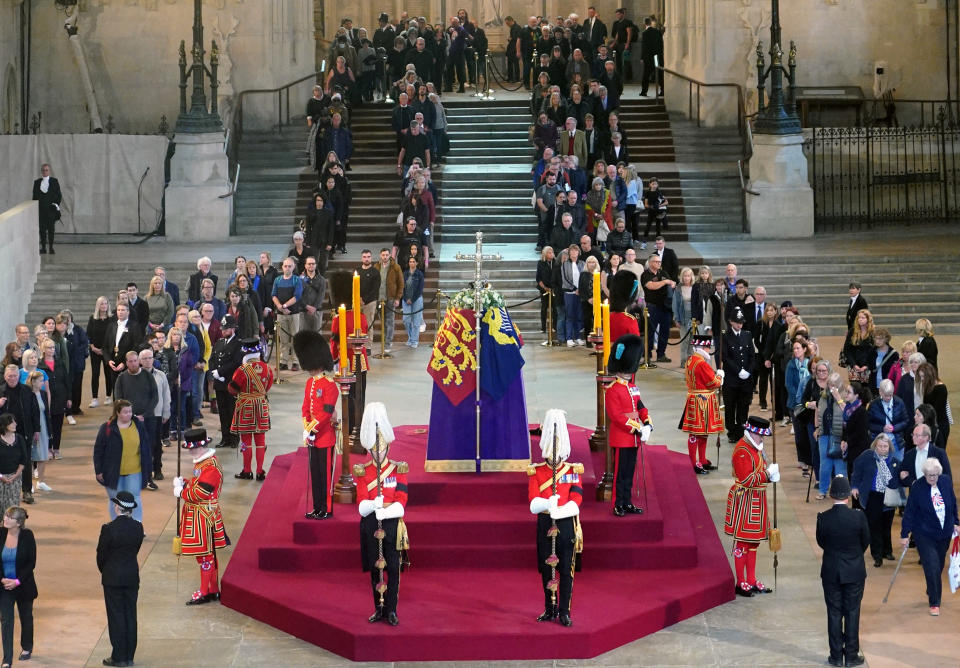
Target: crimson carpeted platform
<point>473,591</point>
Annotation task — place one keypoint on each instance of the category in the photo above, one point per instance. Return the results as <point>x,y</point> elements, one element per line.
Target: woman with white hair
<point>874,472</point>
<point>931,516</point>
<point>203,271</point>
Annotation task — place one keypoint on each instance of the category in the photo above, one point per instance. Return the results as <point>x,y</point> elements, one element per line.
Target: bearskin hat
<point>312,351</point>
<point>624,287</point>
<point>625,354</point>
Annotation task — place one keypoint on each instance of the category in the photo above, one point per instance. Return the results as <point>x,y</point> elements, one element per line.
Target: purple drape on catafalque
<point>504,432</point>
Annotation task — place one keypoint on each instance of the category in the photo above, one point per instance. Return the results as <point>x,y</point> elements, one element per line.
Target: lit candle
<point>596,302</point>
<point>606,333</point>
<point>342,315</point>
<point>356,304</point>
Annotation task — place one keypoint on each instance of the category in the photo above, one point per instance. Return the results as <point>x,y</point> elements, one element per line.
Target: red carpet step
<point>473,592</point>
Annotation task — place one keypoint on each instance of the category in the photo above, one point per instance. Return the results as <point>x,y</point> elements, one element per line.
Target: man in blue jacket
<point>887,414</point>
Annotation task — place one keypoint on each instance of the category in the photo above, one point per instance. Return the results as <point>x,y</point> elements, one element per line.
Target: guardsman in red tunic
<point>701,412</point>
<point>555,489</point>
<point>319,410</point>
<point>628,422</point>
<point>341,284</point>
<point>382,495</point>
<point>201,524</point>
<point>746,514</point>
<point>251,415</point>
<point>624,287</point>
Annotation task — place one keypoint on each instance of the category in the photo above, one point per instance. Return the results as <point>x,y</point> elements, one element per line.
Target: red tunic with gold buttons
<point>622,323</point>
<point>250,383</point>
<point>569,482</point>
<point>319,411</point>
<point>393,482</point>
<point>746,515</point>
<point>626,413</point>
<point>335,335</point>
<point>201,524</point>
<point>701,412</point>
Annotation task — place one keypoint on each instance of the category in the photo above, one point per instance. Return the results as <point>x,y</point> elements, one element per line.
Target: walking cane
<point>895,571</point>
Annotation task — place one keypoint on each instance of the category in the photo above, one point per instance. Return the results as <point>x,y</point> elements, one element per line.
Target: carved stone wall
<point>10,66</point>
<point>131,47</point>
<point>839,43</point>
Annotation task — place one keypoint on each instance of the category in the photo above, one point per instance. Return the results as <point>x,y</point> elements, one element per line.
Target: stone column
<point>199,174</point>
<point>784,207</point>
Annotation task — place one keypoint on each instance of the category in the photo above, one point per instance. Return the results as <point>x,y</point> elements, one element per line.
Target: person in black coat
<point>857,304</point>
<point>844,536</point>
<point>19,586</point>
<point>203,271</point>
<point>651,51</point>
<point>108,452</point>
<point>738,356</point>
<point>545,284</point>
<point>46,190</point>
<point>226,358</point>
<point>856,435</point>
<point>931,516</point>
<point>874,472</point>
<point>115,349</point>
<point>117,549</point>
<point>922,450</point>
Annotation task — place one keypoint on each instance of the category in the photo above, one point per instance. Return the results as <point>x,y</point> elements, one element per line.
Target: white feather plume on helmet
<point>375,418</point>
<point>555,423</point>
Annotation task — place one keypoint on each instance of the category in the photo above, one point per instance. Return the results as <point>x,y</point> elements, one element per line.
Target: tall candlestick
<point>596,302</point>
<point>356,304</point>
<point>606,333</point>
<point>342,345</point>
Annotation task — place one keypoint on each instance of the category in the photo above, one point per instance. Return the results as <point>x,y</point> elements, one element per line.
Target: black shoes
<point>889,556</point>
<point>834,662</point>
<point>858,660</point>
<point>318,515</point>
<point>708,465</point>
<point>618,511</point>
<point>746,591</point>
<point>760,588</point>
<point>152,486</point>
<point>244,475</point>
<point>158,476</point>
<point>200,600</point>
<point>877,562</point>
<point>261,476</point>
<point>548,615</point>
<point>222,444</point>
<point>699,470</point>
<point>630,508</point>
<point>663,358</point>
<point>378,616</point>
<point>565,619</point>
<point>110,662</point>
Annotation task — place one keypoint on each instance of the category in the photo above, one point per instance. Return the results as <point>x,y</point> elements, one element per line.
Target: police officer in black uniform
<point>738,357</point>
<point>226,358</point>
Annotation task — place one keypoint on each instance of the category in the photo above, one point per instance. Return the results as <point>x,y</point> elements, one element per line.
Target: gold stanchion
<point>549,318</point>
<point>647,364</point>
<point>276,351</point>
<point>383,354</point>
<point>346,489</point>
<point>439,314</point>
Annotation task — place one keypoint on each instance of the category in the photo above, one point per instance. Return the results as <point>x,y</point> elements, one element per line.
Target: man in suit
<point>668,258</point>
<point>738,367</point>
<point>844,535</point>
<point>857,303</point>
<point>226,358</point>
<point>594,31</point>
<point>651,51</point>
<point>593,138</point>
<point>168,286</point>
<point>122,336</point>
<point>46,190</point>
<point>888,414</point>
<point>120,541</point>
<point>911,470</point>
<point>572,141</point>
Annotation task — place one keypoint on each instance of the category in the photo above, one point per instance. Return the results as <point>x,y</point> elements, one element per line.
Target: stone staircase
<point>710,181</point>
<point>897,291</point>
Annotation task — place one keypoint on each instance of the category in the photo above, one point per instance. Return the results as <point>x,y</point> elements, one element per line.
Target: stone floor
<point>787,628</point>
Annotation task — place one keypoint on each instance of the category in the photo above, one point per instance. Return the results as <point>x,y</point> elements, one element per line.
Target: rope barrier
<point>498,77</point>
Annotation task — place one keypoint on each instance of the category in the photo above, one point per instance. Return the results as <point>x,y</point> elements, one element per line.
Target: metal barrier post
<point>647,364</point>
<point>276,349</point>
<point>383,354</point>
<point>550,319</point>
